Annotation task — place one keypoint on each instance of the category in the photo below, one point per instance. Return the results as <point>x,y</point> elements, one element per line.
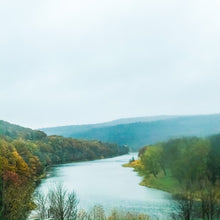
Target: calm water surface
<point>107,183</point>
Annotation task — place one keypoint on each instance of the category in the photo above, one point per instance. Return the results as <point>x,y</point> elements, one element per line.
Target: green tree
<point>151,159</point>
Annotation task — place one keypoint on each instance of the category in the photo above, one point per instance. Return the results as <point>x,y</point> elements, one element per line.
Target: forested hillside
<point>26,153</point>
<point>138,134</point>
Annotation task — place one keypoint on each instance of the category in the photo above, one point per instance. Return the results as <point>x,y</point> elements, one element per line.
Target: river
<point>107,183</point>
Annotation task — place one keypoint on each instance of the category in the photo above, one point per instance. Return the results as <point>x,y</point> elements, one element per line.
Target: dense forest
<point>190,169</point>
<point>26,153</point>
<point>141,131</point>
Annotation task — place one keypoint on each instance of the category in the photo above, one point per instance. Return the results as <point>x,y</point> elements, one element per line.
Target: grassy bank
<point>166,183</point>
<point>189,169</point>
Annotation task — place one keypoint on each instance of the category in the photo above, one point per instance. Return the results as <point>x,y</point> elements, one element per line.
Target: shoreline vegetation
<point>160,171</point>
<point>165,183</point>
<point>26,155</point>
<point>189,169</point>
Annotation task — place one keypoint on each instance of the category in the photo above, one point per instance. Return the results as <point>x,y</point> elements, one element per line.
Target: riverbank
<point>165,183</point>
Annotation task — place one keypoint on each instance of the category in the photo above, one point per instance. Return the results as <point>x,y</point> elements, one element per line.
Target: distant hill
<point>69,130</point>
<point>137,132</point>
<point>15,131</point>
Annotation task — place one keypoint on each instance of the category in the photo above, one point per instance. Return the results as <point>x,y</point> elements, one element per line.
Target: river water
<point>107,183</point>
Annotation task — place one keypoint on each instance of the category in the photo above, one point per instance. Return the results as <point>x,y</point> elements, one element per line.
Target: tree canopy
<point>26,153</point>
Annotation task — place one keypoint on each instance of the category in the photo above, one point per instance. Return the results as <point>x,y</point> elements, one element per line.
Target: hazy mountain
<point>69,130</point>
<point>137,132</point>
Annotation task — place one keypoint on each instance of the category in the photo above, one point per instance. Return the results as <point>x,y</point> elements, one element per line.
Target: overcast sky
<point>68,62</point>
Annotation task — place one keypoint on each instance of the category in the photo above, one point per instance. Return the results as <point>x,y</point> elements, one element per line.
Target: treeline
<point>192,166</point>
<point>25,154</point>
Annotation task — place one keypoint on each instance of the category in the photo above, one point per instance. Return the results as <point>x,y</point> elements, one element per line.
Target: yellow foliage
<point>21,167</point>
